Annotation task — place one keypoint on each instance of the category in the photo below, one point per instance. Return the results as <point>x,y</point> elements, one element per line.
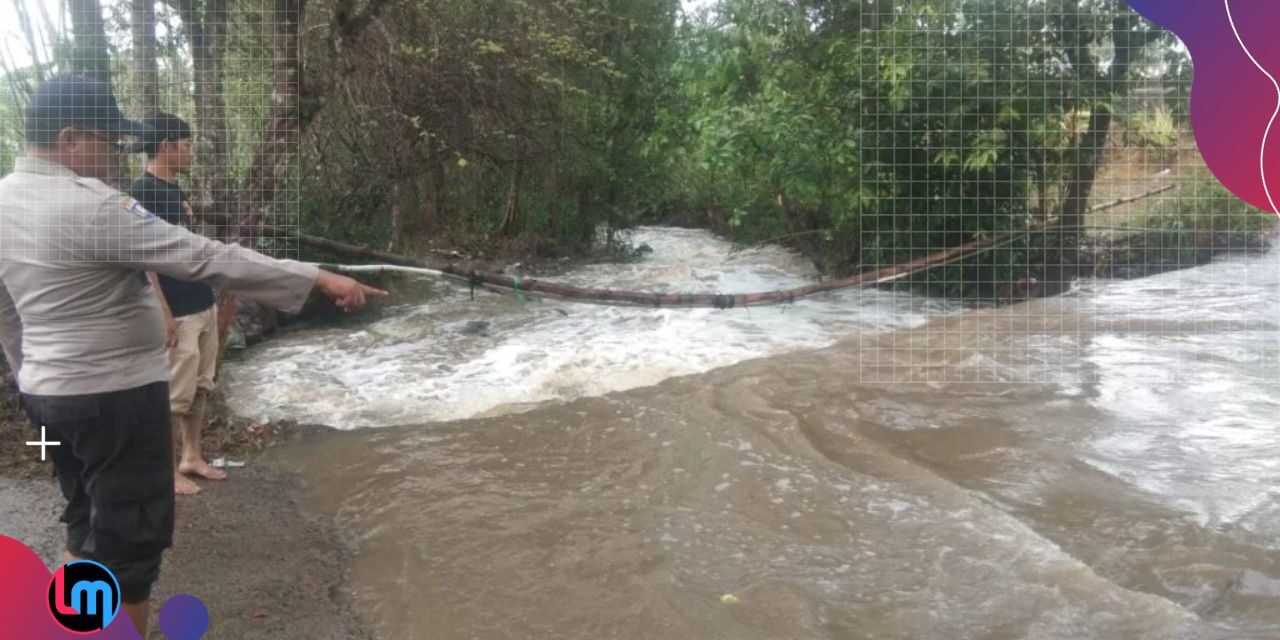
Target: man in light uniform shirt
<point>84,334</point>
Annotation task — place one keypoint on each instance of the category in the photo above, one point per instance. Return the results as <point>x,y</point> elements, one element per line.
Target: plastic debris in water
<point>728,598</point>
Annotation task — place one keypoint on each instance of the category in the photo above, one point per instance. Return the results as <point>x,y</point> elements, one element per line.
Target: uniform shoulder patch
<point>135,208</point>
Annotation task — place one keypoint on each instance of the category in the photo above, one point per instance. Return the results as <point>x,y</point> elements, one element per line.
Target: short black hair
<point>70,100</point>
<point>165,127</point>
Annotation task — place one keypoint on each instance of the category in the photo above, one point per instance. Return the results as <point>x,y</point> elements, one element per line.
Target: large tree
<point>146,75</point>
<point>277,151</point>
<point>483,120</point>
<point>90,54</point>
<point>1086,30</point>
<point>204,23</point>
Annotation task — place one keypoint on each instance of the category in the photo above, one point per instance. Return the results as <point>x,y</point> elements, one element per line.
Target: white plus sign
<point>43,443</point>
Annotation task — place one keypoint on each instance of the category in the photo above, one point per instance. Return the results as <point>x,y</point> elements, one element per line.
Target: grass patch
<point>1185,227</point>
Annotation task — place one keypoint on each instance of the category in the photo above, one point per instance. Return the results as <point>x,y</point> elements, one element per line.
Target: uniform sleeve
<point>10,332</point>
<point>128,234</point>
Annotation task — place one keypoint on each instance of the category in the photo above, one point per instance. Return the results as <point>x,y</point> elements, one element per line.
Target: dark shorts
<point>115,467</point>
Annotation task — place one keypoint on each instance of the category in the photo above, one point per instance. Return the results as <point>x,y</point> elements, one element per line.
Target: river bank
<point>263,567</point>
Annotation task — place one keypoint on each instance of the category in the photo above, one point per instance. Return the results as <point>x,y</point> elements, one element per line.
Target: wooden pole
<point>448,269</point>
<point>515,284</point>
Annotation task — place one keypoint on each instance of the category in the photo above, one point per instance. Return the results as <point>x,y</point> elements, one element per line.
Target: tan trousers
<point>193,362</point>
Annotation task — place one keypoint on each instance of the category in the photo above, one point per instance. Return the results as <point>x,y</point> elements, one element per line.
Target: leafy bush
<point>1153,130</point>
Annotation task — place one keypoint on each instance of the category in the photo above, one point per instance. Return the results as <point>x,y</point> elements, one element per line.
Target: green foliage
<point>871,133</point>
<point>864,132</point>
<point>1204,206</point>
<point>1154,131</point>
<point>10,129</point>
<point>246,89</point>
<point>483,120</point>
<point>1190,228</point>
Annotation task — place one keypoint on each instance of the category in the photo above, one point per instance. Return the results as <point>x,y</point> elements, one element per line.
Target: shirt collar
<point>40,166</point>
<point>148,174</point>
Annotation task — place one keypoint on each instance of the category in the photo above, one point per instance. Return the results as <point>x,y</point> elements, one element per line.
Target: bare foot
<point>183,485</point>
<point>202,469</point>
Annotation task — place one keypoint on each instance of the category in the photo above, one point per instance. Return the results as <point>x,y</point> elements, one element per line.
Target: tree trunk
<point>270,166</point>
<point>1063,249</point>
<point>1068,231</point>
<point>438,193</point>
<point>90,55</point>
<point>396,218</point>
<point>207,36</point>
<point>146,75</point>
<point>511,216</point>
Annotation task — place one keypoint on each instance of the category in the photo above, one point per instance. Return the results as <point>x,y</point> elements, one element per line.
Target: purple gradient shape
<point>1234,103</point>
<point>24,605</point>
<point>184,617</point>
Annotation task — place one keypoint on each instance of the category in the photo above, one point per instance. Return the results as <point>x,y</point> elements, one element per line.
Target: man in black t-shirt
<point>190,314</point>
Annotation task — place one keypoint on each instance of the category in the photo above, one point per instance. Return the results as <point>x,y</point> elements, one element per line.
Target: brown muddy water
<point>1100,466</point>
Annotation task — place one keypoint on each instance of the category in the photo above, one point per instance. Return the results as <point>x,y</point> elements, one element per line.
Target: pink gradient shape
<point>1234,98</point>
<point>24,608</point>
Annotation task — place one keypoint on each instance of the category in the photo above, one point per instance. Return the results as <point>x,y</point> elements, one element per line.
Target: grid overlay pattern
<point>1019,147</point>
<point>1154,211</point>
<point>210,69</point>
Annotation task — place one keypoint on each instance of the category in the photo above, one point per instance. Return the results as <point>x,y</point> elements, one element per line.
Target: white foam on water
<point>656,501</point>
<point>1188,383</point>
<point>418,366</point>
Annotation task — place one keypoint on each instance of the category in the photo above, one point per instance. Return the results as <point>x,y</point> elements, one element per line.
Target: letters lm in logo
<point>84,596</point>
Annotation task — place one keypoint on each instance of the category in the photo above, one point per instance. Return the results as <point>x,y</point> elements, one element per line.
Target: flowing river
<point>1105,465</point>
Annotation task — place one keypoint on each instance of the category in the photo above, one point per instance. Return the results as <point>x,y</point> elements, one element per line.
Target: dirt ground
<point>263,567</point>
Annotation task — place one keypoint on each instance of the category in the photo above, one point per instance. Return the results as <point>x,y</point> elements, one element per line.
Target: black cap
<point>75,101</point>
<point>162,127</point>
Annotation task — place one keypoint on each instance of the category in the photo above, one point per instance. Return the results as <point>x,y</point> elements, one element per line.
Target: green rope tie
<point>515,282</point>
